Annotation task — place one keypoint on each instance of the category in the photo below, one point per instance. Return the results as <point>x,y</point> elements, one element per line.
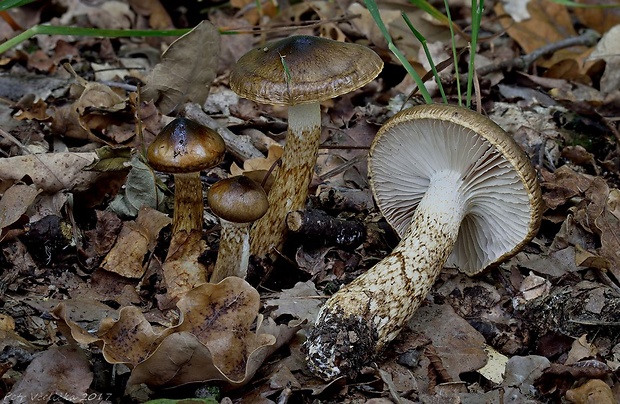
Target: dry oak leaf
<point>549,22</point>
<point>51,172</point>
<point>134,241</point>
<point>261,163</point>
<point>213,341</point>
<point>186,71</point>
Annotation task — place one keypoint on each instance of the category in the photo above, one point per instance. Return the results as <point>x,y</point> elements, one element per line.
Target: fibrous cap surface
<point>303,70</point>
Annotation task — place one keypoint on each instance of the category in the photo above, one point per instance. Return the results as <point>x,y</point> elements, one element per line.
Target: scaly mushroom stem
<point>233,254</point>
<point>290,187</point>
<point>188,204</point>
<point>364,316</point>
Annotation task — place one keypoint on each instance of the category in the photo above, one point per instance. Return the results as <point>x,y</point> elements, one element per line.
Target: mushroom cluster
<point>460,192</point>
<point>300,72</point>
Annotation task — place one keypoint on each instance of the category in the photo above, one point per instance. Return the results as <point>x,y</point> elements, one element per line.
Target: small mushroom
<point>300,72</point>
<point>184,148</point>
<point>460,192</point>
<point>238,202</point>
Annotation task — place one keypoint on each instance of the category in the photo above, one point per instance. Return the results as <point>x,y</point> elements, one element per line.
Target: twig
<point>320,227</point>
<point>240,147</point>
<point>588,38</point>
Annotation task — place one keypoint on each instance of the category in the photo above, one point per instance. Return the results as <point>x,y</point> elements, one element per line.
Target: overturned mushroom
<point>238,202</point>
<point>299,71</point>
<point>460,192</point>
<point>184,148</point>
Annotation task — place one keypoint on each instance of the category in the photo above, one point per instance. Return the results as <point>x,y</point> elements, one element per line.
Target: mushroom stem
<point>234,251</point>
<point>188,203</point>
<point>298,160</point>
<point>364,316</point>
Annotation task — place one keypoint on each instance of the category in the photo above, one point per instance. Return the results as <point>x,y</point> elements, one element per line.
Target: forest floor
<point>85,224</point>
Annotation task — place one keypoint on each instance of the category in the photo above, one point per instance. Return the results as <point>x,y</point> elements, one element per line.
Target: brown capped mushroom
<point>460,192</point>
<point>184,148</point>
<point>299,71</point>
<point>238,202</point>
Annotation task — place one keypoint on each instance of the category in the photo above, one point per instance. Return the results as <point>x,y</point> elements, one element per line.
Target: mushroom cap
<point>317,69</point>
<point>184,146</point>
<point>238,199</point>
<point>503,203</point>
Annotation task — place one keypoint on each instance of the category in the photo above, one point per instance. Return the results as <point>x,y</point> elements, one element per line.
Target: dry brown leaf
<point>214,340</point>
<point>559,187</point>
<point>14,203</point>
<point>608,50</point>
<point>79,319</point>
<point>581,349</point>
<point>302,301</point>
<point>186,71</point>
<point>549,22</point>
<point>182,270</point>
<point>134,241</point>
<point>130,339</point>
<point>51,172</point>
<point>92,113</point>
<point>64,371</point>
<point>458,344</point>
<point>595,391</point>
<point>260,164</point>
<point>598,18</point>
<point>37,111</point>
<point>604,213</point>
<point>158,16</point>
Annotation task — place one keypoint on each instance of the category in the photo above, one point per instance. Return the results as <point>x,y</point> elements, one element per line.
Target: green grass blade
<point>8,4</point>
<point>422,40</point>
<point>79,31</point>
<point>569,3</point>
<point>476,16</point>
<point>454,55</point>
<point>374,11</point>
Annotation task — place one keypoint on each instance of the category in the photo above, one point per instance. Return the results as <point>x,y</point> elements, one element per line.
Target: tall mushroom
<point>460,192</point>
<point>184,148</point>
<point>300,72</point>
<point>238,201</point>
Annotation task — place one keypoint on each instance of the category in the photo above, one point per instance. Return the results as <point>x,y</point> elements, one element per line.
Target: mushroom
<point>300,72</point>
<point>184,148</point>
<point>238,202</point>
<point>460,192</point>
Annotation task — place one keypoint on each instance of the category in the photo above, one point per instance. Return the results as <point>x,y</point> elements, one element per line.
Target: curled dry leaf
<point>14,203</point>
<point>260,163</point>
<point>135,240</point>
<point>186,71</point>
<point>214,340</point>
<point>92,113</point>
<point>51,172</point>
<point>130,339</point>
